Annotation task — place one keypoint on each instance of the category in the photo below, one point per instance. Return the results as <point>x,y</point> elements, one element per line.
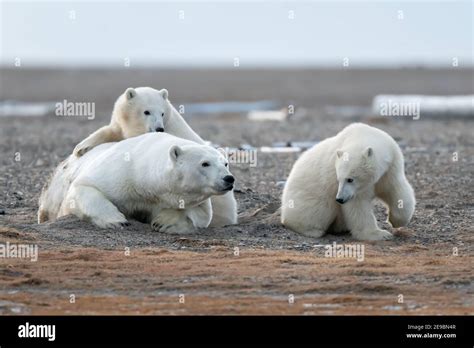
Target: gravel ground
<point>419,262</point>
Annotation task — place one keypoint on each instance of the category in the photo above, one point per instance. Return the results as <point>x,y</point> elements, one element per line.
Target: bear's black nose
<point>340,200</point>
<point>160,129</point>
<point>229,179</point>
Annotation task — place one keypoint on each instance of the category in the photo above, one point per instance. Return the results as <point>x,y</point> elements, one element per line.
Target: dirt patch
<point>159,281</point>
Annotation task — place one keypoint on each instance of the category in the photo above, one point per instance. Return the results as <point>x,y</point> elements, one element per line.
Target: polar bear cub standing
<point>331,186</point>
<point>168,180</point>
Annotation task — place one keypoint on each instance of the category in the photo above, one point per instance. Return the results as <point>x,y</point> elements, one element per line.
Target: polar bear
<point>157,178</point>
<point>145,109</point>
<point>136,111</point>
<point>331,186</point>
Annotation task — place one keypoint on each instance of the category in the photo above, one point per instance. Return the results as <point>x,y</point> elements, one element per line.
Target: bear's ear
<point>175,152</point>
<point>164,93</point>
<point>130,93</point>
<point>368,152</point>
<point>339,153</point>
<point>223,152</point>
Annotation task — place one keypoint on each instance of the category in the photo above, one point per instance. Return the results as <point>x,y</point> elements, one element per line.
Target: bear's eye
<point>162,114</point>
<point>147,112</point>
<point>205,164</point>
<point>350,180</point>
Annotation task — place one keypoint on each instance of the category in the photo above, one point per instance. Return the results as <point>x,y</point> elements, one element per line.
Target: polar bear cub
<point>136,111</point>
<point>165,180</point>
<point>331,186</point>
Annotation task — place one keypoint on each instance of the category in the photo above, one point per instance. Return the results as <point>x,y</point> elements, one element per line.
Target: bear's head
<point>200,169</point>
<point>355,172</point>
<point>141,110</point>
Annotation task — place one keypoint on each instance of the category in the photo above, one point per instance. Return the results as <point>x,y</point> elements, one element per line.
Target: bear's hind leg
<point>359,218</point>
<point>88,202</point>
<point>395,191</point>
<point>310,218</point>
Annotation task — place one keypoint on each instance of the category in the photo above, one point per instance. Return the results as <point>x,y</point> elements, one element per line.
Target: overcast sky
<point>272,33</point>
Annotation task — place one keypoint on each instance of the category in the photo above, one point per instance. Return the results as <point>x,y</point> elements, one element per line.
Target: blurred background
<point>228,58</point>
<point>306,52</point>
<point>259,33</point>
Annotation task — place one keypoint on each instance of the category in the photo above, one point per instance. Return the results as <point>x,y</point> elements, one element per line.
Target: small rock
<point>39,162</point>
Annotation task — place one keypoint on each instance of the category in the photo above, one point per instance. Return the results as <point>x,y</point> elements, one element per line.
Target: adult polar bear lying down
<point>332,185</point>
<point>144,109</point>
<point>158,177</point>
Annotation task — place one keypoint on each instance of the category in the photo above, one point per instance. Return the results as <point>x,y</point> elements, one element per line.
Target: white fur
<point>128,120</point>
<point>224,208</point>
<point>373,160</point>
<point>156,175</point>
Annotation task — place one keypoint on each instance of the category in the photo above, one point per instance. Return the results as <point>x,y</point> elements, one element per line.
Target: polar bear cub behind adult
<point>168,180</point>
<point>136,111</point>
<point>332,186</point>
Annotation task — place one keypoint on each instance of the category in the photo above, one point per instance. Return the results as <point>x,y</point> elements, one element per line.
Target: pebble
<point>280,184</point>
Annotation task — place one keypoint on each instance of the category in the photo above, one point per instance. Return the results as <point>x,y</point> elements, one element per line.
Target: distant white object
<point>18,108</point>
<point>268,149</point>
<point>268,115</point>
<point>414,106</point>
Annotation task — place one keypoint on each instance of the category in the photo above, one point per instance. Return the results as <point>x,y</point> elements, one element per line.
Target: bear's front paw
<point>111,224</point>
<point>80,150</point>
<point>171,224</point>
<point>377,234</point>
